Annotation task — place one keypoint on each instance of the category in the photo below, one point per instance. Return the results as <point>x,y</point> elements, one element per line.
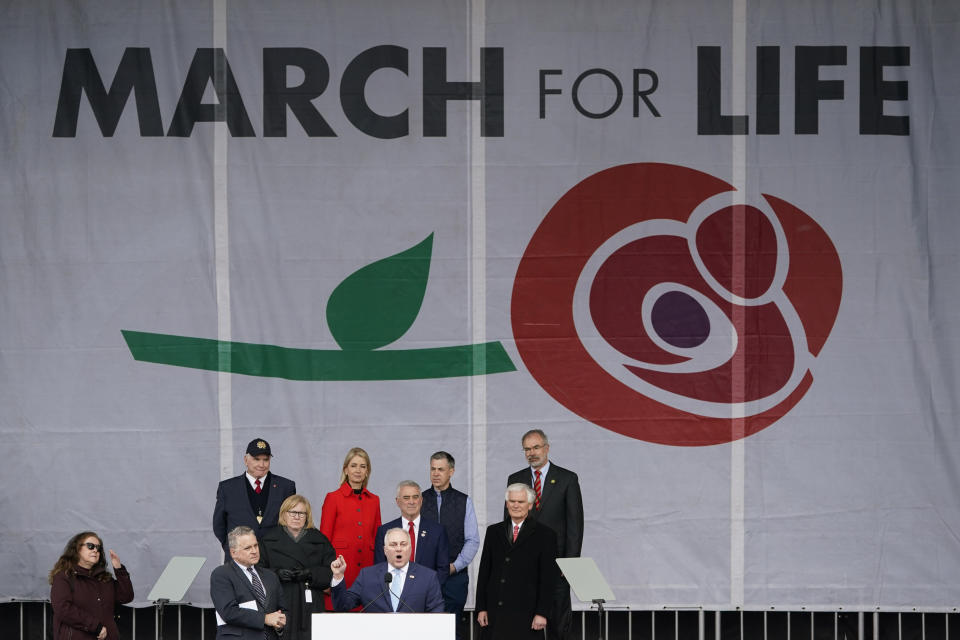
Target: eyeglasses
<point>535,448</point>
<point>297,514</point>
<point>93,547</point>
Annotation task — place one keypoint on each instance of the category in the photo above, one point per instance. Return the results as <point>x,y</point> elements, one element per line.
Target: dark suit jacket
<point>229,587</point>
<point>233,506</point>
<point>421,591</point>
<point>432,545</point>
<point>516,580</point>
<point>561,507</point>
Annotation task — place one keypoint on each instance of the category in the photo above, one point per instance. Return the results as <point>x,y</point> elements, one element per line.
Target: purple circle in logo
<point>679,320</point>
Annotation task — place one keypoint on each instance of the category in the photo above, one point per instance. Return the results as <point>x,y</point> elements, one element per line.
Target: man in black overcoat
<point>517,578</point>
<point>253,498</point>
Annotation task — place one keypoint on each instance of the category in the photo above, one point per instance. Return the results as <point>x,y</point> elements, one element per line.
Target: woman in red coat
<point>351,515</point>
<point>84,594</point>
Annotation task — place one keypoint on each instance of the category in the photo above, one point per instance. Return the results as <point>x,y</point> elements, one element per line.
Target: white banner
<point>710,248</point>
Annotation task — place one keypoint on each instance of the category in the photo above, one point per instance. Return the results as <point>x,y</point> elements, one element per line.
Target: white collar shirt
<point>249,577</point>
<point>253,481</point>
<point>543,473</point>
<point>405,525</point>
<point>399,575</point>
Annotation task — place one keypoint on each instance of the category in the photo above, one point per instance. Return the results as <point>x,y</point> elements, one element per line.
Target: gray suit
<point>229,587</point>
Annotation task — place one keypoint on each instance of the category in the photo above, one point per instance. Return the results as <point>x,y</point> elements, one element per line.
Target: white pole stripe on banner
<point>478,272</point>
<point>221,226</point>
<point>478,262</point>
<point>738,83</point>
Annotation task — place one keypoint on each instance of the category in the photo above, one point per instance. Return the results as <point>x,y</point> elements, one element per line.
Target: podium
<point>423,626</point>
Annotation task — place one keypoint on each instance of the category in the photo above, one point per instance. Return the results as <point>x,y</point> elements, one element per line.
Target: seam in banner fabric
<point>739,180</point>
<point>478,270</point>
<point>221,239</point>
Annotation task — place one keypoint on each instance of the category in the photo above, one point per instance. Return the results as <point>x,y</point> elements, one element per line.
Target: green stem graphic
<point>318,364</point>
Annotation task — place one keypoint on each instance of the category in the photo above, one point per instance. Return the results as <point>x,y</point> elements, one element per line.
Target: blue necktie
<point>395,588</point>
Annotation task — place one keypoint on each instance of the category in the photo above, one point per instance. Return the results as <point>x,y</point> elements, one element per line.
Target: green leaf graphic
<point>271,361</point>
<point>376,304</point>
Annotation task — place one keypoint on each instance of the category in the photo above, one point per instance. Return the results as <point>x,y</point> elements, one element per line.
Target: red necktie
<point>413,541</point>
<point>516,530</point>
<point>257,488</point>
<point>536,487</point>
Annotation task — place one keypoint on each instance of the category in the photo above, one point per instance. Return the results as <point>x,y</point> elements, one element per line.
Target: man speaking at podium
<point>396,585</point>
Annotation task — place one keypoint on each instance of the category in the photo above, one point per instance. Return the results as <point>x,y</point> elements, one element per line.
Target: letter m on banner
<point>80,75</point>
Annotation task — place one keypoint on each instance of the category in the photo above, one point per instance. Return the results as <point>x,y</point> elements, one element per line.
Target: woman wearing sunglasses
<point>84,594</point>
<point>300,556</point>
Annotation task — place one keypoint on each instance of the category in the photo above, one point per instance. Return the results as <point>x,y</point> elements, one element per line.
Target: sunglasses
<point>93,547</point>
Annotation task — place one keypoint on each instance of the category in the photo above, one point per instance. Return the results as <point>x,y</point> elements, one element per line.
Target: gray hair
<point>517,487</point>
<point>407,483</point>
<point>535,432</point>
<point>443,455</point>
<point>234,536</point>
<point>402,532</point>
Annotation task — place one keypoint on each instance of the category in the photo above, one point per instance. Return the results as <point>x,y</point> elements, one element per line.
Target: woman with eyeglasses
<point>84,594</point>
<point>300,556</point>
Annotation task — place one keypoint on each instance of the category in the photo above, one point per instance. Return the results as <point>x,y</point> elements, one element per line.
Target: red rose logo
<point>654,301</point>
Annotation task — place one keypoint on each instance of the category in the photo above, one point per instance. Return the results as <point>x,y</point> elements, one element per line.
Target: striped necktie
<point>537,488</point>
<point>258,591</point>
<point>259,594</point>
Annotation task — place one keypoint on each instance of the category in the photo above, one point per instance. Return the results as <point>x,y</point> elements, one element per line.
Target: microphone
<point>387,578</point>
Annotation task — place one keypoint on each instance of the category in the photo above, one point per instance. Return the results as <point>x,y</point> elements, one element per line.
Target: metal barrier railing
<point>33,621</point>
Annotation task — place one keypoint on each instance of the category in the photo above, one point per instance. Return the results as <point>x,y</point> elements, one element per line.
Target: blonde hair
<point>290,503</point>
<point>353,453</point>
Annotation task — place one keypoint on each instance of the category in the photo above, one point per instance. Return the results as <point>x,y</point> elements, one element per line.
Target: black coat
<point>313,553</point>
<point>561,507</point>
<point>233,506</point>
<point>516,580</point>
